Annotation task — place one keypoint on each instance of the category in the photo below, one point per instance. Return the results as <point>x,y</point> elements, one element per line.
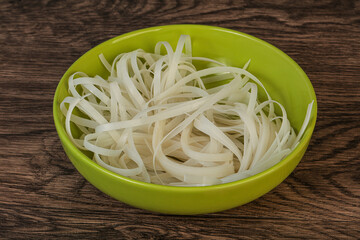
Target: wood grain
<point>42,196</point>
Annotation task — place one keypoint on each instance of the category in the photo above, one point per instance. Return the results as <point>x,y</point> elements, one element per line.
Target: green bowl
<point>283,78</point>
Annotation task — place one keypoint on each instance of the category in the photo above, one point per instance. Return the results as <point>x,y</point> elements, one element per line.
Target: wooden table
<point>42,196</point>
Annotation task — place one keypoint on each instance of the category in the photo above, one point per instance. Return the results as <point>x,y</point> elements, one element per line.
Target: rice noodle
<point>154,120</point>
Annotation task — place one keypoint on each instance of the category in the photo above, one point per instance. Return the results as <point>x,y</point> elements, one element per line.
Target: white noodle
<point>153,120</point>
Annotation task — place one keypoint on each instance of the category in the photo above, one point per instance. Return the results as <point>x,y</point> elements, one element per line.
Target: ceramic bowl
<point>282,77</point>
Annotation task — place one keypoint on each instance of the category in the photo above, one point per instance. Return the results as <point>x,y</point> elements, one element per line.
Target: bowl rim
<point>80,155</point>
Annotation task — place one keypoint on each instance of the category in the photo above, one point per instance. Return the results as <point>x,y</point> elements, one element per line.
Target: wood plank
<point>43,196</point>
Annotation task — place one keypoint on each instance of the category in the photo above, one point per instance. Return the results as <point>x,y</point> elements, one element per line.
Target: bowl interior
<point>282,77</point>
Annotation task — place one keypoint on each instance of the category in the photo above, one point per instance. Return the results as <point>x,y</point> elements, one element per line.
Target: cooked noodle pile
<point>154,120</point>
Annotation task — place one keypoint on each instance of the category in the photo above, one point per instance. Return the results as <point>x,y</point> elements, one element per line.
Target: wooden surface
<point>42,196</point>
